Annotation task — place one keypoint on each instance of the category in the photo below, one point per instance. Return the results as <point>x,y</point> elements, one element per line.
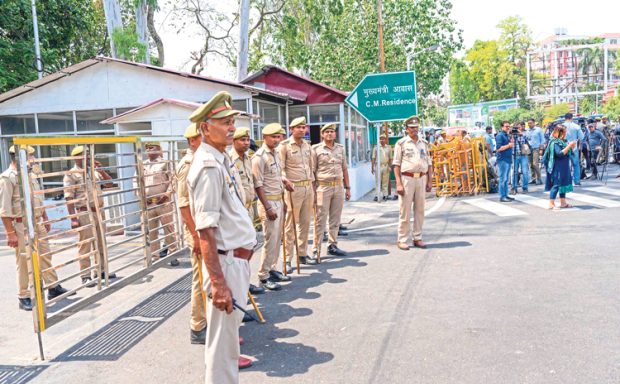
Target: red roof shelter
<point>302,89</point>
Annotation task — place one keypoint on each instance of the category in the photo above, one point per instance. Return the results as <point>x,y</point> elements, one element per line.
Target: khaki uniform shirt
<point>182,171</point>
<point>267,172</point>
<point>296,160</point>
<point>328,164</point>
<point>215,200</point>
<point>243,167</point>
<point>77,178</point>
<point>412,156</point>
<point>10,200</point>
<point>157,178</point>
<point>385,152</point>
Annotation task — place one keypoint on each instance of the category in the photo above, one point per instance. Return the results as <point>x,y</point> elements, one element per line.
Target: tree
<point>612,108</point>
<point>335,41</point>
<point>518,115</point>
<point>494,69</point>
<point>217,25</point>
<point>70,31</point>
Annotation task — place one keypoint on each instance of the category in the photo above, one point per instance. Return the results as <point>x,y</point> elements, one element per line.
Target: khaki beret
<point>216,108</point>
<point>241,132</point>
<point>329,126</point>
<point>152,144</point>
<point>383,136</point>
<point>30,150</point>
<point>191,131</point>
<point>298,121</point>
<point>282,131</point>
<point>272,129</point>
<point>412,121</point>
<point>77,150</point>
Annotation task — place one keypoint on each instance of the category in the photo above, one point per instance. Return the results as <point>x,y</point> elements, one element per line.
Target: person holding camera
<point>557,159</point>
<point>596,141</point>
<point>522,151</point>
<point>503,150</point>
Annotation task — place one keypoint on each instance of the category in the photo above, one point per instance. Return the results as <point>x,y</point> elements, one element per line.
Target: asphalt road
<point>529,297</point>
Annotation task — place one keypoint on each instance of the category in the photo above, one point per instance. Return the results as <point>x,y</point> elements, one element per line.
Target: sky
<point>477,18</point>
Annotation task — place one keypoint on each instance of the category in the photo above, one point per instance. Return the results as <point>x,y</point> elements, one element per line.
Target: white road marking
<point>605,190</point>
<point>499,209</point>
<point>593,200</point>
<point>432,209</point>
<point>537,202</point>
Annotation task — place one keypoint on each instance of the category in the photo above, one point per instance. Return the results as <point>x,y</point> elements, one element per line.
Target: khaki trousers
<point>329,202</point>
<point>222,344</point>
<point>535,165</point>
<point>415,193</point>
<point>161,215</point>
<point>198,317</point>
<point>87,247</point>
<point>23,267</point>
<point>273,237</point>
<point>303,200</point>
<point>385,180</point>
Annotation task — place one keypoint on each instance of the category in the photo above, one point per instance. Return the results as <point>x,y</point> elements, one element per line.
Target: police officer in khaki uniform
<point>269,186</point>
<point>385,157</point>
<point>158,190</point>
<point>198,319</point>
<point>78,183</point>
<point>226,236</point>
<point>331,176</point>
<point>243,165</point>
<point>12,218</point>
<point>295,156</point>
<point>241,161</point>
<point>413,172</point>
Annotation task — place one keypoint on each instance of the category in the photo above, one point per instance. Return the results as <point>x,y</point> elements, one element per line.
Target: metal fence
<point>103,221</point>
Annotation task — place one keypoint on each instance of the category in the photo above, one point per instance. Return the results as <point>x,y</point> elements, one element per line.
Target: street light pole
<point>412,53</point>
<point>37,49</point>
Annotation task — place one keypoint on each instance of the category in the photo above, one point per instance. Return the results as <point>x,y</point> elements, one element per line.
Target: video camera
<point>514,131</point>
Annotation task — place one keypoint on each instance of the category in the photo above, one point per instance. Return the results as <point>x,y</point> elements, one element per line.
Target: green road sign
<point>385,96</point>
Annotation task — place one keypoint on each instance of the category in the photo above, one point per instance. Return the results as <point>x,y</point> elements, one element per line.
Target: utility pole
<point>37,48</point>
<point>244,20</point>
<point>385,125</point>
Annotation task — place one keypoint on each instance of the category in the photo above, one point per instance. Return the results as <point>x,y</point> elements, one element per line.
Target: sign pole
<point>378,165</point>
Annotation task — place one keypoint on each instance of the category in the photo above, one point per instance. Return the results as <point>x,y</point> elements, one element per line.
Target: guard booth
<point>98,223</point>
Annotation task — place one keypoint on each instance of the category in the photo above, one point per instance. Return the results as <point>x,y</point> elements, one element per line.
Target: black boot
<point>57,291</point>
<point>256,290</point>
<point>278,276</point>
<point>198,337</point>
<point>270,285</point>
<point>335,251</point>
<point>25,304</point>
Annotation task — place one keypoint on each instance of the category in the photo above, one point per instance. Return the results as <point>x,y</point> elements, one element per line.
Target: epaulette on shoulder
<point>317,145</point>
<point>209,161</point>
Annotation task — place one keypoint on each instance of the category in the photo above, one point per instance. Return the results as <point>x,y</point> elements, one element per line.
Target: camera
<point>515,131</point>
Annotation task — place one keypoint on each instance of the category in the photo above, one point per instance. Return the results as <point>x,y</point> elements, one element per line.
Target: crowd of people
<point>564,151</point>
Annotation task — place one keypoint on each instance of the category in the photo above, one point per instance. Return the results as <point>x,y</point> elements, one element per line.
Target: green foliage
<point>69,32</point>
<point>335,41</point>
<point>494,69</point>
<point>586,41</point>
<point>434,115</point>
<point>612,108</point>
<point>555,111</point>
<point>518,115</point>
<point>127,44</point>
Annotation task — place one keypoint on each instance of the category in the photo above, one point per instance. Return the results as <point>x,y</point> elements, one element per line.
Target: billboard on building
<point>478,114</point>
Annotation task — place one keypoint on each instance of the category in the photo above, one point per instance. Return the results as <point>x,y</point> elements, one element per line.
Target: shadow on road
<point>450,244</point>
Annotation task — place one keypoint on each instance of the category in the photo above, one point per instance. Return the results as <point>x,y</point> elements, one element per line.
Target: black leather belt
<point>240,253</point>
